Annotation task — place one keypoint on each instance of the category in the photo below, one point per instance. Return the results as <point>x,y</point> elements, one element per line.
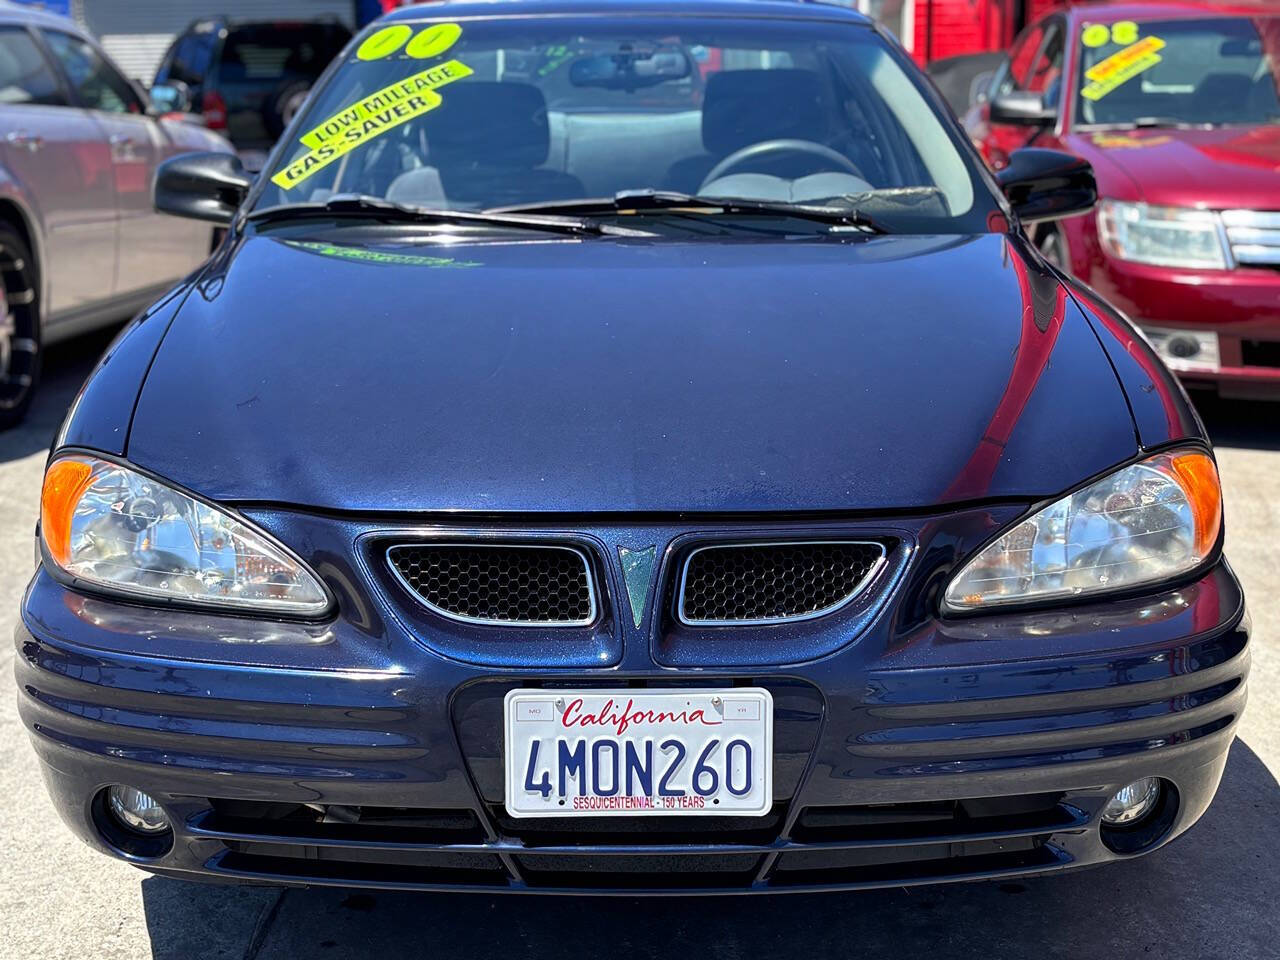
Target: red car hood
<point>1226,168</point>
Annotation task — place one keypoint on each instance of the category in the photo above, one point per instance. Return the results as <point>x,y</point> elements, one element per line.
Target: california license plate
<point>638,753</point>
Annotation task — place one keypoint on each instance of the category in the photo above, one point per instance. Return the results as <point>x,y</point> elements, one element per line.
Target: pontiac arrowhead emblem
<point>637,572</point>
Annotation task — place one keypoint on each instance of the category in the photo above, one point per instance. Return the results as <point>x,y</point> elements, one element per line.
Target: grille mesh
<point>770,582</point>
<point>499,583</point>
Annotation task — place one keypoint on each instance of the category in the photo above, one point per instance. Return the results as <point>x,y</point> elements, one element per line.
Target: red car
<point>1176,107</point>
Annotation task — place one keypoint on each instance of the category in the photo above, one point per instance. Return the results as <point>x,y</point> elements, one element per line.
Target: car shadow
<point>1254,424</point>
<point>1209,894</point>
<point>65,367</point>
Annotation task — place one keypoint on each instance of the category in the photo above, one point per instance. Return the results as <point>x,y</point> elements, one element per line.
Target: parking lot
<point>1211,894</point>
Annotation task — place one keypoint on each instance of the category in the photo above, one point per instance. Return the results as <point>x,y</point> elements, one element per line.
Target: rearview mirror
<point>1022,108</point>
<point>1047,184</point>
<point>202,186</point>
<point>630,69</point>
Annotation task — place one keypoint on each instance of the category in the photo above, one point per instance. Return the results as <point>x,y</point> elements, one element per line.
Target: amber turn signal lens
<point>1198,478</point>
<point>64,484</point>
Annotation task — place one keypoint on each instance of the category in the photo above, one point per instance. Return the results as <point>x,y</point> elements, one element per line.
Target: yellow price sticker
<point>431,42</point>
<point>1123,32</point>
<point>434,41</point>
<point>1121,67</point>
<point>1095,35</point>
<point>376,114</point>
<point>353,116</point>
<point>384,42</point>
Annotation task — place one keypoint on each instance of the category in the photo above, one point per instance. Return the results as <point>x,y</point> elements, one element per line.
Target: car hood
<point>886,373</point>
<point>1226,168</point>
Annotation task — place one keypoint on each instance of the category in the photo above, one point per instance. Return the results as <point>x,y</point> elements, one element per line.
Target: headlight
<point>115,529</point>
<point>1163,236</point>
<point>1146,523</point>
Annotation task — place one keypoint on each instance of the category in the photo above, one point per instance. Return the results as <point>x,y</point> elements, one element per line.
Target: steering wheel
<point>766,147</point>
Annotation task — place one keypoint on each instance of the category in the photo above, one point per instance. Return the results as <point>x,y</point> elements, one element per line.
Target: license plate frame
<point>648,720</point>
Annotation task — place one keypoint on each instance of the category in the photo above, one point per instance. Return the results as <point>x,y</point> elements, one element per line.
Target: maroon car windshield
<point>1204,72</point>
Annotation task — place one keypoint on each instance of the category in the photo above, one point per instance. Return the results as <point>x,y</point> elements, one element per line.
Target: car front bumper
<point>345,754</point>
<point>1241,307</point>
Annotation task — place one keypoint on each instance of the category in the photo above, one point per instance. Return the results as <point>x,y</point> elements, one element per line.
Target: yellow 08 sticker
<point>433,41</point>
<point>1095,35</point>
<point>1122,32</point>
<point>384,43</point>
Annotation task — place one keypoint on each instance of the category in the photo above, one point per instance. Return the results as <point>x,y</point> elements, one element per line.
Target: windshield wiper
<point>1171,122</point>
<point>360,205</point>
<point>658,201</point>
<point>1151,123</point>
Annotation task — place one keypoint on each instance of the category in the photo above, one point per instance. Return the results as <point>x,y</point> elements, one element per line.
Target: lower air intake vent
<point>759,583</point>
<point>504,584</point>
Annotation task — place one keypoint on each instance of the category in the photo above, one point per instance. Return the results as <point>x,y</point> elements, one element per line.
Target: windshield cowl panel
<point>509,114</point>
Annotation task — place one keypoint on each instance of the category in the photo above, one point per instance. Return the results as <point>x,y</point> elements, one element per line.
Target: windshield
<point>1209,72</point>
<point>513,112</point>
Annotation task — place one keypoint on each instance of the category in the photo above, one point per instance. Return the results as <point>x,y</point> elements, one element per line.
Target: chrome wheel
<point>19,329</point>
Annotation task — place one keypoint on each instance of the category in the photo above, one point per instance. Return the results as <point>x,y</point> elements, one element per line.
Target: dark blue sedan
<point>629,448</point>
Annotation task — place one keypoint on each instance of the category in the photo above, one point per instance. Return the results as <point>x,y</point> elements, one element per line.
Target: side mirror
<point>202,186</point>
<point>1047,184</point>
<point>1022,109</point>
<point>171,97</point>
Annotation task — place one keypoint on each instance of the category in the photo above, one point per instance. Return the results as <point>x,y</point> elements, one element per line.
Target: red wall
<point>971,26</point>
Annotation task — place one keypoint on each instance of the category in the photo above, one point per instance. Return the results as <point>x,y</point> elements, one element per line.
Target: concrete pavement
<point>1211,894</point>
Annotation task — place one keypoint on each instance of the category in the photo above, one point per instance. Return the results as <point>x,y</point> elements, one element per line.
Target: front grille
<point>499,583</point>
<point>757,583</point>
<point>1254,236</point>
<point>1260,353</point>
<point>828,847</point>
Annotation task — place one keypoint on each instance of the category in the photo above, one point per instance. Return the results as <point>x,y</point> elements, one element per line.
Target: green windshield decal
<point>373,116</point>
<point>373,256</point>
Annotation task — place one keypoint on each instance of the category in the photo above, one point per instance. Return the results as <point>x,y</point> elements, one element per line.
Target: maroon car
<point>1176,107</point>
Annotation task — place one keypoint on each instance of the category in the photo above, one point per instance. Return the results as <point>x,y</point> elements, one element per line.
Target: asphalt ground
<point>1212,893</point>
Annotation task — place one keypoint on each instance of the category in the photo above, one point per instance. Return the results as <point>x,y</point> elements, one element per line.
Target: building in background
<point>138,32</point>
<point>930,29</point>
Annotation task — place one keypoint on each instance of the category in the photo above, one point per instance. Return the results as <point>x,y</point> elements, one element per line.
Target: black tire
<point>20,343</point>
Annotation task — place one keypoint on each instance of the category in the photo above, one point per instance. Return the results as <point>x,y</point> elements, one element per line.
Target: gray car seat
<point>742,107</point>
<point>486,145</point>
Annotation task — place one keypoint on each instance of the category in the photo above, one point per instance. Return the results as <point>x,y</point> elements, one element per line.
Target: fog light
<point>1133,802</point>
<point>136,810</point>
<point>1186,349</point>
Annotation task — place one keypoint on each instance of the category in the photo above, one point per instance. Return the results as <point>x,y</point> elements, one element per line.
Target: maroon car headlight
<point>111,528</point>
<point>1163,236</point>
<point>1149,522</point>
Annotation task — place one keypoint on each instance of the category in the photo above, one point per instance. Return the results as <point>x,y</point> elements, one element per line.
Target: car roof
<point>1167,10</point>
<point>743,9</point>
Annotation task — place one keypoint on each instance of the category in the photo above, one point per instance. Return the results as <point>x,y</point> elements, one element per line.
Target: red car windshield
<point>1211,72</point>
